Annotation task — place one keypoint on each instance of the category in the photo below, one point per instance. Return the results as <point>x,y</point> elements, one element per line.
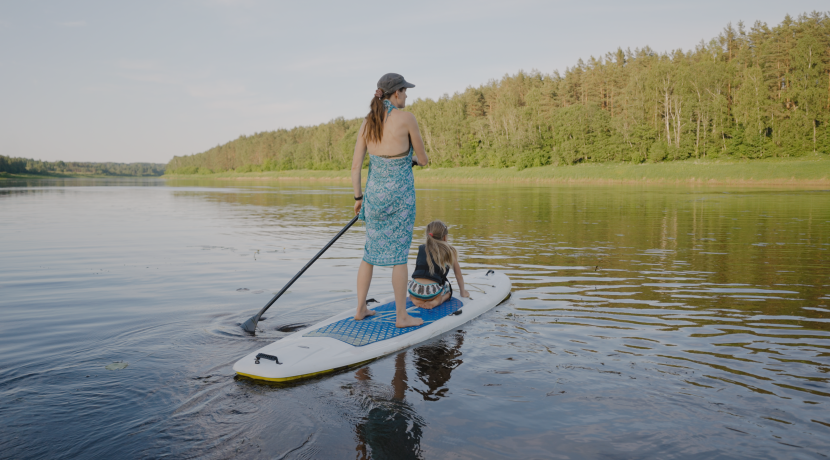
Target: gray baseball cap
<point>392,82</point>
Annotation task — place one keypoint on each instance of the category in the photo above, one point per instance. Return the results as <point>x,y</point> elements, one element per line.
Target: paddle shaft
<point>250,325</point>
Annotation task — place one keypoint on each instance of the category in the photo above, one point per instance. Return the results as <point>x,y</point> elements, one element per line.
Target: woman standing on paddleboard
<point>388,205</point>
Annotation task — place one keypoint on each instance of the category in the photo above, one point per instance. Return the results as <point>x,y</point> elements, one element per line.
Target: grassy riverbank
<point>811,170</point>
<point>9,176</point>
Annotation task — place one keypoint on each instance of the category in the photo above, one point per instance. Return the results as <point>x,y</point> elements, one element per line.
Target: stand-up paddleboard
<point>341,342</point>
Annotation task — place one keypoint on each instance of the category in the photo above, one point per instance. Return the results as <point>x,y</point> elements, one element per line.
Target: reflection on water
<point>644,322</point>
<point>392,429</point>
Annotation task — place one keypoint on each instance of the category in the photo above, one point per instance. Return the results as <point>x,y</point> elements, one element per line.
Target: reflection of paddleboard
<point>341,342</point>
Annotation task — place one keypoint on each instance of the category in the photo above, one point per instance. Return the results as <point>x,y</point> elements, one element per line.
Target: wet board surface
<point>341,342</point>
<point>381,326</point>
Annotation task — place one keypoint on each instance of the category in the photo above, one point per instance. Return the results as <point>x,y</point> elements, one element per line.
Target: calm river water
<point>645,322</point>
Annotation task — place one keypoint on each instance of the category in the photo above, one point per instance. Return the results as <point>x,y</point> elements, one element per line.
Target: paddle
<point>250,325</point>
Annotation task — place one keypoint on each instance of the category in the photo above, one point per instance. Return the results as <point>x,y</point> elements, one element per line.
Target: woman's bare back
<point>396,140</point>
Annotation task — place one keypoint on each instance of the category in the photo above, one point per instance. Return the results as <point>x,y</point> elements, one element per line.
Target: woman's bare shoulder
<point>407,118</point>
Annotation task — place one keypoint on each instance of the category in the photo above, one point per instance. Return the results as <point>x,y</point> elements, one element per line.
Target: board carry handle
<point>250,325</point>
<point>264,356</point>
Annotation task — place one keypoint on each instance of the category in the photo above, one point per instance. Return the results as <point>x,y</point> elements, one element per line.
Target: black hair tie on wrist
<point>358,198</point>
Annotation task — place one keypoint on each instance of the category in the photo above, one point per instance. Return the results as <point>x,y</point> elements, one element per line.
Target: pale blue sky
<point>144,81</point>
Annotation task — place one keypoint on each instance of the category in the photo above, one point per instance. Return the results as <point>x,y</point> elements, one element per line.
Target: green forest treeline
<point>757,93</point>
<point>28,166</point>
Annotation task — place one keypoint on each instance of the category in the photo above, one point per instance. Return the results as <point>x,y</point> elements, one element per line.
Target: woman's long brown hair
<point>373,131</point>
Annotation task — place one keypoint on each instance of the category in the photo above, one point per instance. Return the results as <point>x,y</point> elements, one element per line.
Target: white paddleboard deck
<point>309,352</point>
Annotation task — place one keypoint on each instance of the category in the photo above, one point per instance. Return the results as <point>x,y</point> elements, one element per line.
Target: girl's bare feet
<point>408,321</point>
<point>427,304</point>
<point>363,312</point>
<point>430,305</point>
<point>434,302</point>
<point>417,302</point>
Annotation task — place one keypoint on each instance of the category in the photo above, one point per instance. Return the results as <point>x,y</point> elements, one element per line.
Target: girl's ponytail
<point>439,252</point>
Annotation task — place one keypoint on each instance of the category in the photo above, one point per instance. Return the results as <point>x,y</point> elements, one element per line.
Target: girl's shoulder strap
<point>421,258</point>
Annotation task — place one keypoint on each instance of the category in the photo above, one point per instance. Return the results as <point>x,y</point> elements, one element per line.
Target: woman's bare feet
<point>408,321</point>
<point>363,312</point>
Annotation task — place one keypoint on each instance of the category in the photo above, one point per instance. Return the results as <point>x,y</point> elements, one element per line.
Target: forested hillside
<point>748,93</point>
<point>28,166</point>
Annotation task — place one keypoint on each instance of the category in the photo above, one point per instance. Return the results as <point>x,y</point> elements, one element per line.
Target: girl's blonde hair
<point>439,252</point>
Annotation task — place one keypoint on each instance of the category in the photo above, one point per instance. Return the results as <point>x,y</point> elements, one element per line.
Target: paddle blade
<point>250,325</point>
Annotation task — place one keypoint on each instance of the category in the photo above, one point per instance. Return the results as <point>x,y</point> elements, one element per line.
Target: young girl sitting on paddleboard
<point>429,286</point>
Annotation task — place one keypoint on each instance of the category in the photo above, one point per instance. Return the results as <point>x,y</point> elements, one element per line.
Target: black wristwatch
<point>358,198</point>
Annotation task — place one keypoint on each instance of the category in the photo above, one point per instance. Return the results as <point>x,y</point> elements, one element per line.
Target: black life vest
<point>422,268</point>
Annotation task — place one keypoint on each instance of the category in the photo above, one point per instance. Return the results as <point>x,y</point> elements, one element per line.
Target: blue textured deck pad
<point>381,326</point>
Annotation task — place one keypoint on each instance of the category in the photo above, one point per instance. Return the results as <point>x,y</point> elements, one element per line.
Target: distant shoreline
<point>809,171</point>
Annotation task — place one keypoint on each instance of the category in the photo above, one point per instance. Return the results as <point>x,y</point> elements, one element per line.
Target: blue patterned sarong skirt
<point>389,210</point>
